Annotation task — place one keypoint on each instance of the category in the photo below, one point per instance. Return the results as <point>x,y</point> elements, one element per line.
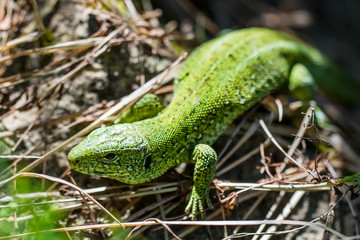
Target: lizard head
<point>117,152</point>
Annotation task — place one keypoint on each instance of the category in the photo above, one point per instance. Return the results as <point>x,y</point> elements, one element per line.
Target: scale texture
<point>219,81</point>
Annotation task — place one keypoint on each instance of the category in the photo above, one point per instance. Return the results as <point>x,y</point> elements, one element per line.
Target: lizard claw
<point>196,202</point>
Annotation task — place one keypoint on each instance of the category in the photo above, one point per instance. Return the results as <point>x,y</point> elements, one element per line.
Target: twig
<point>240,160</point>
<point>31,37</point>
<point>282,187</point>
<point>280,109</point>
<point>252,129</point>
<point>37,16</point>
<point>301,132</point>
<point>89,42</point>
<point>42,176</point>
<point>158,221</point>
<point>239,126</point>
<point>296,197</point>
<point>270,213</point>
<point>263,125</point>
<point>187,223</point>
<point>294,200</point>
<point>167,75</point>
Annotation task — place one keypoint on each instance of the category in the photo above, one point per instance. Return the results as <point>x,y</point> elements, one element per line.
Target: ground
<point>48,95</point>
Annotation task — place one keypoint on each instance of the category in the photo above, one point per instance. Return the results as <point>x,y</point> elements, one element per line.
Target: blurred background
<point>63,63</point>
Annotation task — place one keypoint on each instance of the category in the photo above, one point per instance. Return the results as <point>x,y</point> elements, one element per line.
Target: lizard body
<point>220,80</point>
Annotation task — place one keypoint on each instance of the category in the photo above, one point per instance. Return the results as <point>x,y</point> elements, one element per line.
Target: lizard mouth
<point>109,174</point>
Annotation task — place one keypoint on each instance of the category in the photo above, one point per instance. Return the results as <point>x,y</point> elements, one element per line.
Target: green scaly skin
<point>220,80</point>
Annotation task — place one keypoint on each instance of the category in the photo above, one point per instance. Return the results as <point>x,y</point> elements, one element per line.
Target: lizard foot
<point>196,202</point>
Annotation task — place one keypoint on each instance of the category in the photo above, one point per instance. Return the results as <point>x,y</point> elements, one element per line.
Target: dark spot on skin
<point>231,57</point>
<point>184,76</point>
<point>147,162</point>
<point>110,156</point>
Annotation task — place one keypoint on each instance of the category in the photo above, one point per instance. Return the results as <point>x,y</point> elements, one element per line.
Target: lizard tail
<point>342,85</point>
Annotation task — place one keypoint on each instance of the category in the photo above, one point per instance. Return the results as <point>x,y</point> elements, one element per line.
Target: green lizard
<point>218,81</point>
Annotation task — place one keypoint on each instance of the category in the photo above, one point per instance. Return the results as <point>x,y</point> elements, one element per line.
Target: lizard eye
<point>147,162</point>
<point>110,156</point>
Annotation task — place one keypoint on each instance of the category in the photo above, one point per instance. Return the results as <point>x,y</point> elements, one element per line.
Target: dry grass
<point>36,75</point>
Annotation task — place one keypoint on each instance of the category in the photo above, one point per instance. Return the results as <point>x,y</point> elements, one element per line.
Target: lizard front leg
<point>146,107</point>
<point>205,159</point>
